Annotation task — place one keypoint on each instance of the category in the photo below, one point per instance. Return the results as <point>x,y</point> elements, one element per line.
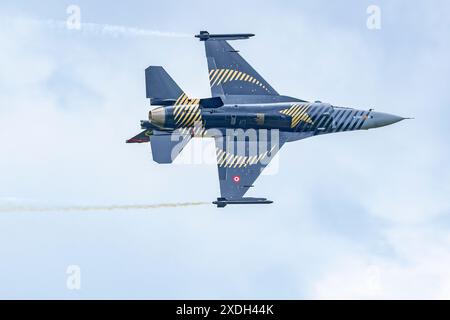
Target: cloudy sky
<point>356,215</point>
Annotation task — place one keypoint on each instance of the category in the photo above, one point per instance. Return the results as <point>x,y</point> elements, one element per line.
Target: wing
<point>229,73</point>
<point>241,159</point>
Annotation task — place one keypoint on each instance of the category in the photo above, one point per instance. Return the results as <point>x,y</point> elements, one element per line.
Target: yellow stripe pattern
<point>221,76</point>
<point>297,112</point>
<point>186,111</point>
<point>229,160</point>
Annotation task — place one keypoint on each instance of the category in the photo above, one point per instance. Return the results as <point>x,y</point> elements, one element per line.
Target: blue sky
<point>356,215</point>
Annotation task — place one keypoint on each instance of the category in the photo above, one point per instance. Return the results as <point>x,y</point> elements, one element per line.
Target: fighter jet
<point>248,119</point>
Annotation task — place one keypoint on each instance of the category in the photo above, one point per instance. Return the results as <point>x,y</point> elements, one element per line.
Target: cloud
<point>419,269</point>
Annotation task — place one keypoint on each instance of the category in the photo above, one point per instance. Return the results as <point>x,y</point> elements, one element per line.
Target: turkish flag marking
<point>236,179</point>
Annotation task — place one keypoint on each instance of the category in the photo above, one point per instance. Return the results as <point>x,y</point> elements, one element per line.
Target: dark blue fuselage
<point>318,118</point>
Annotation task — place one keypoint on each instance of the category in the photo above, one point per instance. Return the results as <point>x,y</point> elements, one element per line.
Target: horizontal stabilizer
<point>222,202</point>
<point>205,35</point>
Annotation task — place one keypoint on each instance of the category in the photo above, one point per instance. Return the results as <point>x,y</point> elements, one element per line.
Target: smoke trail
<point>19,209</point>
<point>99,29</point>
<point>115,31</point>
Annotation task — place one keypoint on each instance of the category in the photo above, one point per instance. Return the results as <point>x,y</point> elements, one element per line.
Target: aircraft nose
<point>379,119</point>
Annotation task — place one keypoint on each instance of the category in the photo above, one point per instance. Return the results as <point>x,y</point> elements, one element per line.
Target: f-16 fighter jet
<point>249,120</point>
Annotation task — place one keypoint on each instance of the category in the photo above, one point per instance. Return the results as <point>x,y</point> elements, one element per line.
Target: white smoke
<point>99,29</point>
<point>23,209</point>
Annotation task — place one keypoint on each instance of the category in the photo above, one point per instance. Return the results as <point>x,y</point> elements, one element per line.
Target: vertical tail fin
<point>160,87</point>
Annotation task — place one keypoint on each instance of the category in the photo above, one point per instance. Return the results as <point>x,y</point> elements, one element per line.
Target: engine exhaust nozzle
<point>157,116</point>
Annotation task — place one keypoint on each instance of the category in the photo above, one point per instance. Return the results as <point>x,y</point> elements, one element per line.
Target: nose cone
<point>157,116</point>
<point>379,119</point>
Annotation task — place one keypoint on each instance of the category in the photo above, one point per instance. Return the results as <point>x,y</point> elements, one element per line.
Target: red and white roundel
<point>236,179</point>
